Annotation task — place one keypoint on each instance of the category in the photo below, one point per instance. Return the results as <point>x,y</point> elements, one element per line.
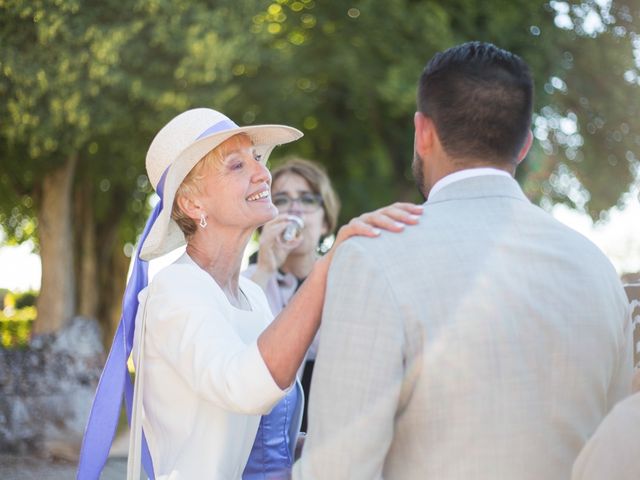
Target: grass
<point>15,326</point>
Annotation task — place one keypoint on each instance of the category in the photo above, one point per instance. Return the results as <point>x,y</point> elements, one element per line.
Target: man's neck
<point>468,172</point>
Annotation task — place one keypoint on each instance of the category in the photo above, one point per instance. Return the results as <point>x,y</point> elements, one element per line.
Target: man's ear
<point>525,148</point>
<point>425,134</point>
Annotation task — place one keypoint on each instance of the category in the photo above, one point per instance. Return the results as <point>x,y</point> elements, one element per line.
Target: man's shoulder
<point>571,239</point>
<point>373,247</point>
<point>389,244</point>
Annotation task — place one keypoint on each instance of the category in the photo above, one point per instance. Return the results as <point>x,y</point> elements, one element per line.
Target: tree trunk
<point>114,265</point>
<point>86,259</point>
<point>112,288</point>
<point>112,279</point>
<point>56,302</point>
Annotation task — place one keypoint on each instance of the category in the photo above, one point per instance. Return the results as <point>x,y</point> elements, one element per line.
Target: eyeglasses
<point>308,202</point>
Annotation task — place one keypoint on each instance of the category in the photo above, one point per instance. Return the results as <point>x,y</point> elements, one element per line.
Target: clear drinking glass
<point>293,230</point>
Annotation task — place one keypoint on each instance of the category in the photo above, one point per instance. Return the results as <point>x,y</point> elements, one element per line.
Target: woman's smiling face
<point>235,188</point>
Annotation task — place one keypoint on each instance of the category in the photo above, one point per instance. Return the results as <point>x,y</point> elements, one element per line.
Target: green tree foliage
<point>95,80</point>
<point>353,72</point>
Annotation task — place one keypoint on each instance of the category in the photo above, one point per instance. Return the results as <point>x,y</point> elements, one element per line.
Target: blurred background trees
<point>86,84</point>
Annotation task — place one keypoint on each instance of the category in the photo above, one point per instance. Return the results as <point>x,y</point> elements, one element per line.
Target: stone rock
<point>46,390</point>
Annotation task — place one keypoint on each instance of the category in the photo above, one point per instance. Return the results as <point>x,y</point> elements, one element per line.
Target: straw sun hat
<point>178,147</point>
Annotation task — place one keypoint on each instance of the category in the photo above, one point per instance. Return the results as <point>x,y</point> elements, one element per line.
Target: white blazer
<point>205,383</point>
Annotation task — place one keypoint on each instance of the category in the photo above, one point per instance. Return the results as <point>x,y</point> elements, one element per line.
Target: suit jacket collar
<point>479,187</point>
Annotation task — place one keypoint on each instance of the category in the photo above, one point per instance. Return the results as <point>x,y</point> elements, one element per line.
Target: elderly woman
<point>210,359</point>
<point>302,192</point>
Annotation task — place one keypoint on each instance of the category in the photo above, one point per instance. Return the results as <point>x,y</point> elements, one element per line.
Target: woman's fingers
<point>272,250</point>
<point>409,207</point>
<point>273,228</point>
<point>367,228</point>
<point>355,227</point>
<point>379,219</point>
<point>394,217</point>
<point>407,213</point>
<point>271,237</point>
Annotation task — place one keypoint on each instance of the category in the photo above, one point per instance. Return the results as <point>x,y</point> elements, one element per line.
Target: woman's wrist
<point>320,270</point>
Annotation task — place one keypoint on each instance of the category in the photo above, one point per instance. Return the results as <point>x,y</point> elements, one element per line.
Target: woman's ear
<point>190,206</point>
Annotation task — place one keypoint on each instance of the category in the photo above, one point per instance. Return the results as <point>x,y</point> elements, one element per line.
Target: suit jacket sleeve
<point>358,373</point>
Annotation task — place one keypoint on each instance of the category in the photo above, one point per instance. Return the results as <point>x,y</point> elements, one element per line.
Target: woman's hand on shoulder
<point>393,218</point>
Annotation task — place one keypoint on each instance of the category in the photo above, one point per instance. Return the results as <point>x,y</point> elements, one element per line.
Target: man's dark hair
<point>480,99</point>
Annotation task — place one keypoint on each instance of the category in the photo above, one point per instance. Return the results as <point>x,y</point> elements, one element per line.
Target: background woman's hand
<point>272,251</point>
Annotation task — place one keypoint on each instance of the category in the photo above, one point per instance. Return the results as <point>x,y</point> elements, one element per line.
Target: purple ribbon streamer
<point>218,127</point>
<point>115,380</point>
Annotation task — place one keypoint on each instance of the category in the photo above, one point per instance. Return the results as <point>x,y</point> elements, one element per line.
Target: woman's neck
<point>300,266</point>
<point>220,256</point>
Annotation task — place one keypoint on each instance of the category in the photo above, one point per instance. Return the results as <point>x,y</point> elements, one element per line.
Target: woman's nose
<point>295,207</point>
<point>261,173</point>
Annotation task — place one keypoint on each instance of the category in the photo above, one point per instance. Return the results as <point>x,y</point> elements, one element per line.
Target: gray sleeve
<point>358,372</point>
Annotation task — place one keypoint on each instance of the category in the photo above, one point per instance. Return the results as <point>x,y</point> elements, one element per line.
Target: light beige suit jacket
<point>486,343</point>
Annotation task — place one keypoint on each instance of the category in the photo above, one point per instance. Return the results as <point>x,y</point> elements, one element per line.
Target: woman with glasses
<point>302,193</point>
<point>300,190</point>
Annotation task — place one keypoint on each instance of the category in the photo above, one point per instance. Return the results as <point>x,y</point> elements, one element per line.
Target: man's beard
<point>418,174</point>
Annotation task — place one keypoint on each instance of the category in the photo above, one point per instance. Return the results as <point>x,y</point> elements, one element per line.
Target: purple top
<point>271,456</point>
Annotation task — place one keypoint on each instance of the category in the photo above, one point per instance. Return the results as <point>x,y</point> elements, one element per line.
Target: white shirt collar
<point>467,173</point>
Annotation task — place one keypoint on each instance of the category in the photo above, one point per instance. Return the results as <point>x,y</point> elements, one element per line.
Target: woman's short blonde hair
<point>318,180</point>
<point>192,184</point>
